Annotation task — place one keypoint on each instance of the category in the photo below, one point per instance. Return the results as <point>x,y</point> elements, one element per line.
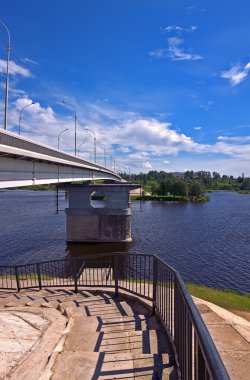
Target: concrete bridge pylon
<point>90,222</point>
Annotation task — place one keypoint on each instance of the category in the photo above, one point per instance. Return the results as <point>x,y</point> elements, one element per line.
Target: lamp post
<point>104,152</point>
<point>58,139</point>
<point>83,141</point>
<point>20,116</point>
<point>7,77</point>
<point>71,105</point>
<point>89,130</point>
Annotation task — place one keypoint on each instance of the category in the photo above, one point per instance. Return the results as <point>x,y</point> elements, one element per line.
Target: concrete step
<point>79,365</point>
<point>141,342</point>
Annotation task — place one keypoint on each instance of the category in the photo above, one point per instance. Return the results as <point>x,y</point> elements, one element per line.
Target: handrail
<point>146,276</point>
<point>216,367</point>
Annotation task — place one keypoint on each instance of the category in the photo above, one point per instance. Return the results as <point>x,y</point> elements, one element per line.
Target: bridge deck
<point>25,162</point>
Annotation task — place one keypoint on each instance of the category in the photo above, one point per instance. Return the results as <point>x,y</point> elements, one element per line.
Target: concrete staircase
<point>106,337</point>
<point>114,338</point>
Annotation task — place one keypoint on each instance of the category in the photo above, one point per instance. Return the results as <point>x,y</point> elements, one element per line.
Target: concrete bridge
<point>24,162</point>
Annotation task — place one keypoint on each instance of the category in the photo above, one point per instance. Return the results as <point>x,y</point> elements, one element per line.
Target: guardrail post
<point>155,279</point>
<point>39,275</point>
<point>17,280</point>
<point>116,274</point>
<point>75,275</point>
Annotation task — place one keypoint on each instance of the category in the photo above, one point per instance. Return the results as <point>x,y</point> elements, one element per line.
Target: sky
<point>164,85</point>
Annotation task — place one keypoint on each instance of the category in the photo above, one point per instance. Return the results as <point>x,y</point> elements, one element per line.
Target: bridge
<point>24,162</point>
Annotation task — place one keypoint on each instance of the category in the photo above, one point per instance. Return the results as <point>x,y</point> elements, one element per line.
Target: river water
<point>209,243</point>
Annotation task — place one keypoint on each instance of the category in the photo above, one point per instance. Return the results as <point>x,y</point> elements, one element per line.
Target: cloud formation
<point>236,74</point>
<point>15,69</point>
<point>176,53</point>
<point>241,139</point>
<point>179,29</point>
<point>131,139</point>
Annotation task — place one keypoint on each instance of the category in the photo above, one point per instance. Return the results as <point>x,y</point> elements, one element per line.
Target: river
<point>209,243</point>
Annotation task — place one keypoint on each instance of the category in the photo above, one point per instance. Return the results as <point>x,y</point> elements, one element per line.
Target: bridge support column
<point>98,213</point>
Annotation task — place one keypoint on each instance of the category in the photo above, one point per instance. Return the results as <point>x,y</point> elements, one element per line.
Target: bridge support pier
<point>98,213</point>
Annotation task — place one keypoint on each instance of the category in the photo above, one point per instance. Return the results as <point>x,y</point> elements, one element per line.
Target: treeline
<point>190,183</point>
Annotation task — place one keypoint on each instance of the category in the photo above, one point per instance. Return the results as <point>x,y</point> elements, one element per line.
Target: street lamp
<point>83,141</point>
<point>71,105</point>
<point>104,152</point>
<point>58,139</point>
<point>89,130</point>
<point>7,77</point>
<point>20,116</point>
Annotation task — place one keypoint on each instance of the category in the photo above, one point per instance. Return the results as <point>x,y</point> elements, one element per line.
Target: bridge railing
<point>143,275</point>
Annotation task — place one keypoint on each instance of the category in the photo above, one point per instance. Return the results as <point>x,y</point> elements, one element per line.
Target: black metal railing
<point>143,275</point>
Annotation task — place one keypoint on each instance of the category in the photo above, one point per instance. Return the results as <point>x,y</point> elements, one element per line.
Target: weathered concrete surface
<point>105,338</point>
<point>86,222</point>
<point>28,336</point>
<point>231,335</point>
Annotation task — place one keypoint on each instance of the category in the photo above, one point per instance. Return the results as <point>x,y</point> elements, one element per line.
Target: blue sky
<point>163,84</point>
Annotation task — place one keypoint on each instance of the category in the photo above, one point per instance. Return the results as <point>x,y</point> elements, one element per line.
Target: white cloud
<point>147,165</point>
<point>241,139</point>
<point>132,139</point>
<point>233,150</point>
<point>178,29</point>
<point>158,53</point>
<point>14,69</point>
<point>207,105</point>
<point>30,61</point>
<point>197,128</point>
<point>236,74</point>
<point>124,149</point>
<point>177,54</point>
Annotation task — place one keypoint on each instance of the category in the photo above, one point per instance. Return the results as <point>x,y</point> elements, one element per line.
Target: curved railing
<point>145,276</point>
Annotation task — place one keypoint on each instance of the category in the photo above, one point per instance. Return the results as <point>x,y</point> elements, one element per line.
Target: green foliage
<point>196,189</point>
<point>35,187</point>
<point>228,299</point>
<point>170,198</point>
<point>179,187</point>
<point>196,184</point>
<point>245,185</point>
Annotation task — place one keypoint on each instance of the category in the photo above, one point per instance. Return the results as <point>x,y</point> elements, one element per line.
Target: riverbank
<point>168,198</point>
<point>227,299</point>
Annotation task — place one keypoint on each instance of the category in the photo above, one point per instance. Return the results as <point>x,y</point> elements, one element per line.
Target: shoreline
<point>227,299</point>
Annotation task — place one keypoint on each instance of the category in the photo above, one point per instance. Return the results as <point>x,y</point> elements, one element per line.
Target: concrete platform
<point>57,334</point>
<point>105,338</point>
<point>231,335</point>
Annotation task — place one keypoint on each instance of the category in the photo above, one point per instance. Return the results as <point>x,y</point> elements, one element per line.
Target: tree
<point>245,185</point>
<point>165,186</point>
<point>216,175</point>
<point>189,174</point>
<point>154,187</point>
<point>179,188</point>
<point>196,189</point>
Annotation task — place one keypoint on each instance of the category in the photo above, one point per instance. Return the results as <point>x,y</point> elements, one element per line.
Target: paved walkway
<point>95,336</point>
<point>231,335</point>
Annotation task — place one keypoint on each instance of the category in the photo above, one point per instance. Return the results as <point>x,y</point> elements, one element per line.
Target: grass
<point>168,198</point>
<point>29,276</point>
<point>244,191</point>
<point>228,299</point>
